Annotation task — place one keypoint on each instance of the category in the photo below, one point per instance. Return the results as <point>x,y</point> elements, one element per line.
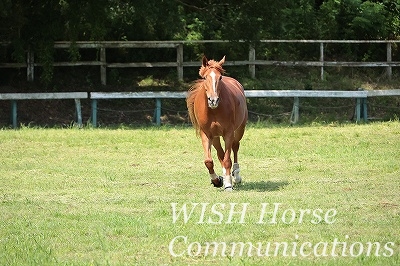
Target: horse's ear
<point>222,61</point>
<point>205,61</point>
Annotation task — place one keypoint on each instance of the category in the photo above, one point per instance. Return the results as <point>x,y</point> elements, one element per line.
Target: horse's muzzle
<point>213,102</point>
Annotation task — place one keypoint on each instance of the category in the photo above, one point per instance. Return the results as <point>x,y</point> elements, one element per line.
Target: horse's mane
<point>211,64</point>
<point>194,89</point>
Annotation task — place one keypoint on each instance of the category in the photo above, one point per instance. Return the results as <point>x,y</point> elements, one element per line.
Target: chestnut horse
<point>217,108</point>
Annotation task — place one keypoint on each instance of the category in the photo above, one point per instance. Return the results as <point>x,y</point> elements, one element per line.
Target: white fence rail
<point>360,95</point>
<point>14,97</point>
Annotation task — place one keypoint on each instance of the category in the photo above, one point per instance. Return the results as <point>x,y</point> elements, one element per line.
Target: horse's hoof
<point>218,182</point>
<point>237,180</point>
<point>229,189</point>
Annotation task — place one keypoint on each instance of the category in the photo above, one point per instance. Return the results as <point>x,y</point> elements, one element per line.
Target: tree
<point>36,24</point>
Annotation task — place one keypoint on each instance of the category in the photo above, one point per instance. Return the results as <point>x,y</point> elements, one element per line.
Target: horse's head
<point>211,71</point>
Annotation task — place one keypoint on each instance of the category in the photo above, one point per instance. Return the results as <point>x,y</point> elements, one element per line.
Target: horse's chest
<point>216,129</point>
<point>211,125</point>
<point>214,122</point>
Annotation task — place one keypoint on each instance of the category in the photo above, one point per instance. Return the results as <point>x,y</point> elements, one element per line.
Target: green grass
<point>103,196</point>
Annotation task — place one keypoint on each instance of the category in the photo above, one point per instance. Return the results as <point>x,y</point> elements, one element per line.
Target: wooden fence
<point>180,64</point>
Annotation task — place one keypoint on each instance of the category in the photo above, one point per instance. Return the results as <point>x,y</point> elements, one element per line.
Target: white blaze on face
<point>212,75</point>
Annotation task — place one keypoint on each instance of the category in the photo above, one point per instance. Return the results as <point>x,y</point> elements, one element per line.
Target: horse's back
<point>233,84</point>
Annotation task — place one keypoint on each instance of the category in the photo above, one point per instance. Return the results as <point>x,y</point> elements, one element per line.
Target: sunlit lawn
<point>105,196</point>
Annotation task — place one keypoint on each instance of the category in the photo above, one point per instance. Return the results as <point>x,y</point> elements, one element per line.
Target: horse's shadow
<point>262,186</point>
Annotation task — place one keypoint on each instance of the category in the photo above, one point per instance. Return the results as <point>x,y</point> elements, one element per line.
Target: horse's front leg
<point>220,151</point>
<point>208,161</point>
<point>227,163</point>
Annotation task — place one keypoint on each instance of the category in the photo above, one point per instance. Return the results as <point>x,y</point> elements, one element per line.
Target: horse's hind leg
<point>235,168</point>
<point>235,149</point>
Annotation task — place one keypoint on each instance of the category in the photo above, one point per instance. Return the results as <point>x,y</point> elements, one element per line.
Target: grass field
<point>106,197</point>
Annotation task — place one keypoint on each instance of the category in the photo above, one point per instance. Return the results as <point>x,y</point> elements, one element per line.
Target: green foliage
<point>73,51</point>
<point>18,53</point>
<point>370,21</point>
<point>45,52</point>
<point>358,19</point>
<point>38,24</point>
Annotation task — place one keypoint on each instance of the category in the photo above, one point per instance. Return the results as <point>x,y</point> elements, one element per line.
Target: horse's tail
<point>190,106</point>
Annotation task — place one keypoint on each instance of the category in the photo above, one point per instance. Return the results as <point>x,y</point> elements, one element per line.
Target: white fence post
<point>78,112</point>
<point>294,119</point>
<point>14,113</point>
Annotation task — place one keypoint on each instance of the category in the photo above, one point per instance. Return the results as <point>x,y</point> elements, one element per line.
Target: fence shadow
<point>262,186</point>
